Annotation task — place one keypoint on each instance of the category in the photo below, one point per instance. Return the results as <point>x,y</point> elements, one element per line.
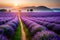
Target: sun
<point>15,4</point>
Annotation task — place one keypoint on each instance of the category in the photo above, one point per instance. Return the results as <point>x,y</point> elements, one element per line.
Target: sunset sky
<point>23,3</point>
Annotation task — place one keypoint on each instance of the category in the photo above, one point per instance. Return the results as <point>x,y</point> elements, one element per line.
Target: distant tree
<point>19,10</point>
<point>9,10</point>
<point>3,10</point>
<point>27,9</point>
<point>31,10</point>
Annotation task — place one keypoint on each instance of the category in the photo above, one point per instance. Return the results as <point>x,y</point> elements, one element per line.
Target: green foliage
<point>17,35</point>
<point>28,35</point>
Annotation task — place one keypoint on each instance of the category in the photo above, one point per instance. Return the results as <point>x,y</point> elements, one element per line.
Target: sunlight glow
<point>15,4</point>
<point>23,3</point>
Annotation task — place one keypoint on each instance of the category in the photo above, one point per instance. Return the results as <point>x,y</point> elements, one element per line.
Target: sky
<point>23,3</point>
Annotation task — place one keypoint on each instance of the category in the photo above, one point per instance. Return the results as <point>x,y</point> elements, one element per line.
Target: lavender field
<point>40,14</point>
<point>42,25</point>
<point>36,25</point>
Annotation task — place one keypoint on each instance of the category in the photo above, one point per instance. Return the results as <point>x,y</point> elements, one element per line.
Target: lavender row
<point>52,26</point>
<point>3,37</point>
<point>4,20</point>
<point>32,26</point>
<point>51,19</point>
<point>47,19</point>
<point>7,14</point>
<point>40,14</point>
<point>9,28</point>
<point>35,28</point>
<point>46,35</point>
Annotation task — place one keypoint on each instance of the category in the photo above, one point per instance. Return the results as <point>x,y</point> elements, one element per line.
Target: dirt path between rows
<point>23,37</point>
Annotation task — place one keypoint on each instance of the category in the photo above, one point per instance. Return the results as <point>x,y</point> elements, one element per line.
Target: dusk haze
<point>24,3</point>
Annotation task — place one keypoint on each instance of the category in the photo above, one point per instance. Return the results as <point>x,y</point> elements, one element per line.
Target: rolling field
<point>29,25</point>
